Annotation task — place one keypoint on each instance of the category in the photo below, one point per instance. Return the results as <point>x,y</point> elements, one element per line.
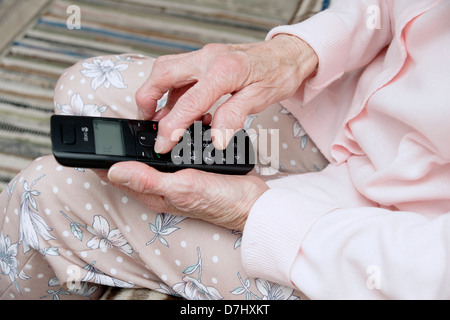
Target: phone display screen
<point>108,138</point>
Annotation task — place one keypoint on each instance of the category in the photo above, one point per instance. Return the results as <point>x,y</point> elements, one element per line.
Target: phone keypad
<point>191,149</point>
<point>146,136</point>
<point>202,151</point>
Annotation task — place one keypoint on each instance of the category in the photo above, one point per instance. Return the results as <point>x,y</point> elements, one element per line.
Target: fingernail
<point>220,138</point>
<point>119,175</point>
<point>159,144</point>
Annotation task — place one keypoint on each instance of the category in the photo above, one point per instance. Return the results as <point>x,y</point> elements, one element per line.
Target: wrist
<point>254,191</point>
<point>299,51</point>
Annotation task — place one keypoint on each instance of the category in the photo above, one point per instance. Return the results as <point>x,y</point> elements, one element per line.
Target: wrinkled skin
<point>256,75</point>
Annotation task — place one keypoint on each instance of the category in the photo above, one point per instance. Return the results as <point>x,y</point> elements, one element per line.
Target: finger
<point>175,94</point>
<point>167,73</point>
<point>206,119</point>
<point>230,116</point>
<point>250,100</point>
<point>153,188</point>
<point>172,98</point>
<point>155,203</point>
<point>160,114</point>
<point>138,177</point>
<point>190,107</point>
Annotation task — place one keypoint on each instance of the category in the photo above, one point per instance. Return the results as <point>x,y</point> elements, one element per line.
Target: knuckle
<point>160,59</point>
<point>140,182</point>
<point>190,106</point>
<point>213,48</point>
<point>227,64</point>
<point>169,128</point>
<point>229,72</point>
<point>223,56</point>
<point>191,102</point>
<point>232,112</point>
<point>162,68</point>
<point>141,96</point>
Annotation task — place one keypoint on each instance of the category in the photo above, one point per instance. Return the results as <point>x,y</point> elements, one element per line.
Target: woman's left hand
<point>224,200</point>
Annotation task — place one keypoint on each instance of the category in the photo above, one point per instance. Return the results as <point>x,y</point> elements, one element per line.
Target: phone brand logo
<point>85,134</point>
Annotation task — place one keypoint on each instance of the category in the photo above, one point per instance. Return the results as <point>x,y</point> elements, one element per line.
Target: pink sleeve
<point>375,253</point>
<point>343,43</point>
<point>344,38</point>
<point>283,216</point>
<point>315,232</point>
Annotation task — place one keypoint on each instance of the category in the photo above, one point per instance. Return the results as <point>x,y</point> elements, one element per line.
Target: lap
<point>77,223</point>
<point>83,227</point>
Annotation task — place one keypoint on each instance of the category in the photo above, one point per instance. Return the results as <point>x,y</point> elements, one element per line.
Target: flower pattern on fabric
<point>104,73</point>
<point>83,289</point>
<point>192,288</point>
<point>8,260</point>
<point>267,290</point>
<point>165,224</point>
<point>32,226</point>
<point>297,129</point>
<point>104,237</point>
<point>10,189</point>
<point>55,294</point>
<point>96,276</point>
<point>238,242</point>
<point>75,227</point>
<point>78,108</point>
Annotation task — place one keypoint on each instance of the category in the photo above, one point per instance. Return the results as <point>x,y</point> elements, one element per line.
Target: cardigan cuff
<point>275,229</point>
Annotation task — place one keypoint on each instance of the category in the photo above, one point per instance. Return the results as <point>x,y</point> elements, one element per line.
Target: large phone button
<point>147,139</point>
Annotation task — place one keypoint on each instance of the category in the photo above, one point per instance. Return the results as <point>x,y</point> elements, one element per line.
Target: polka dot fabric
<point>65,234</point>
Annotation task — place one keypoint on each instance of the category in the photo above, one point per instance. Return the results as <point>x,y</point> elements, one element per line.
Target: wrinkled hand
<point>219,199</point>
<point>256,75</point>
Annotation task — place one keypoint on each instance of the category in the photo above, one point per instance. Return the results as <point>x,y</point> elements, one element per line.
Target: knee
<point>46,178</point>
<point>66,87</point>
<point>29,190</point>
<point>44,175</point>
<point>96,85</point>
<point>42,195</point>
<point>50,187</point>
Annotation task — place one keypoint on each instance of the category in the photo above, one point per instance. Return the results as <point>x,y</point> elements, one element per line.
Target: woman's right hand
<point>256,75</point>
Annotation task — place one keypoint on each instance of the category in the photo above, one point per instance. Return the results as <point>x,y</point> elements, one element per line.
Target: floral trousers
<point>66,234</point>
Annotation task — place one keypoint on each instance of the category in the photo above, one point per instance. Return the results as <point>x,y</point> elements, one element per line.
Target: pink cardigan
<point>375,224</point>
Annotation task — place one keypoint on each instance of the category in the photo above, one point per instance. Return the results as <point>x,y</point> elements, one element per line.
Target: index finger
<point>168,72</point>
<point>191,106</point>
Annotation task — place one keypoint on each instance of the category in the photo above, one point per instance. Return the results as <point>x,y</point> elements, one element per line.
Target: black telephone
<point>97,142</point>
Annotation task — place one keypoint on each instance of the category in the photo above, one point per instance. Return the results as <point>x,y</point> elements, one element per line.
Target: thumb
<point>138,177</point>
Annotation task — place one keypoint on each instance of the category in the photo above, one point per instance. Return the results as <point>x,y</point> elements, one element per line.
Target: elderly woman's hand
<point>256,75</point>
<point>219,199</point>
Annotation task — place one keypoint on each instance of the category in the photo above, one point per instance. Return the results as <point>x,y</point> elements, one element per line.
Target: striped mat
<point>31,65</point>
